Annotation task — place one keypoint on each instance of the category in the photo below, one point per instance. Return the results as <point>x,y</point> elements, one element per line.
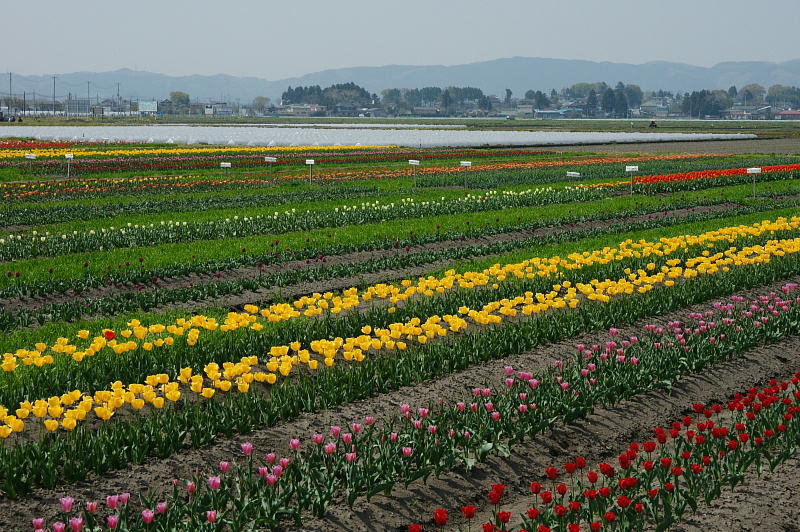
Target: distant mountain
<point>517,73</point>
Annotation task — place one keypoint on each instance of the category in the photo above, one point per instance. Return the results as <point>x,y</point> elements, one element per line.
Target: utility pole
<point>119,103</point>
<point>54,96</point>
<point>9,93</point>
<point>88,99</point>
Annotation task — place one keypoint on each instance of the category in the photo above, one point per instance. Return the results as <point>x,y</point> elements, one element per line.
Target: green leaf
<point>666,523</point>
<point>385,487</point>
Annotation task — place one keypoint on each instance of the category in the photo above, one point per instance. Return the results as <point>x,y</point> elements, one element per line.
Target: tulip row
<point>91,188</point>
<point>706,179</point>
<point>642,280</point>
<point>146,151</point>
<point>53,214</point>
<point>440,172</point>
<point>655,216</point>
<point>311,267</point>
<point>166,432</point>
<point>367,458</point>
<point>658,480</point>
<point>21,247</point>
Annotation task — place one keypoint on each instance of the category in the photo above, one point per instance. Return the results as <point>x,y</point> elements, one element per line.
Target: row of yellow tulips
<point>158,388</point>
<point>317,303</point>
<point>45,153</point>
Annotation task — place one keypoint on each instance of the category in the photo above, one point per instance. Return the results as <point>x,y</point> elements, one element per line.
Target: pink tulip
<point>113,521</point>
<point>38,522</point>
<point>76,524</point>
<point>161,507</point>
<point>247,448</point>
<point>284,462</point>
<point>123,498</point>
<point>270,458</point>
<point>91,507</point>
<point>58,526</point>
<point>223,466</point>
<point>112,501</point>
<point>214,483</point>
<point>211,515</point>
<point>347,437</point>
<point>369,420</point>
<point>330,448</point>
<point>190,487</point>
<point>277,471</point>
<point>509,370</point>
<point>147,515</point>
<point>294,444</point>
<point>318,438</point>
<point>66,503</point>
<point>460,406</point>
<point>271,480</point>
<point>496,416</point>
<point>263,471</point>
<point>350,457</point>
<point>406,451</point>
<point>356,428</point>
<point>393,437</point>
<point>335,431</point>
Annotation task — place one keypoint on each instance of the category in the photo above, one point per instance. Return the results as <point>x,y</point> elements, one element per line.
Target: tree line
<point>594,98</point>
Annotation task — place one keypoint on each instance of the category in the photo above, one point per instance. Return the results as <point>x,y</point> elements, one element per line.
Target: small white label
<point>755,170</point>
<point>573,174</point>
<point>631,168</point>
<point>466,163</point>
<point>309,161</point>
<point>224,165</point>
<point>69,155</point>
<point>413,162</point>
<point>271,159</point>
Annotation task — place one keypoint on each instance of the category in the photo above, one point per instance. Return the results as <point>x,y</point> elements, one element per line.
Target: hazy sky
<point>275,40</point>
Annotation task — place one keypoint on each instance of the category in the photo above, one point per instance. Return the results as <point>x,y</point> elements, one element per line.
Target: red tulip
<point>469,511</point>
<point>440,516</point>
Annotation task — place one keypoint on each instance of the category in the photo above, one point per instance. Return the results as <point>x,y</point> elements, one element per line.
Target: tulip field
<point>368,345</point>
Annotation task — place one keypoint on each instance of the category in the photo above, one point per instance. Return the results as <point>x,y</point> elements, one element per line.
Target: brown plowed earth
<point>766,504</point>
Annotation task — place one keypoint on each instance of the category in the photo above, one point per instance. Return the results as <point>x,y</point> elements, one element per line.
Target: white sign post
<point>632,170</point>
<point>573,175</point>
<point>271,161</point>
<point>466,165</point>
<point>310,163</point>
<point>226,166</point>
<point>755,171</point>
<point>31,157</point>
<point>414,163</point>
<point>69,157</point>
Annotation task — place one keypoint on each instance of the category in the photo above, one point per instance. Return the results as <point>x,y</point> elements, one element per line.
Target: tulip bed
<point>131,345</point>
